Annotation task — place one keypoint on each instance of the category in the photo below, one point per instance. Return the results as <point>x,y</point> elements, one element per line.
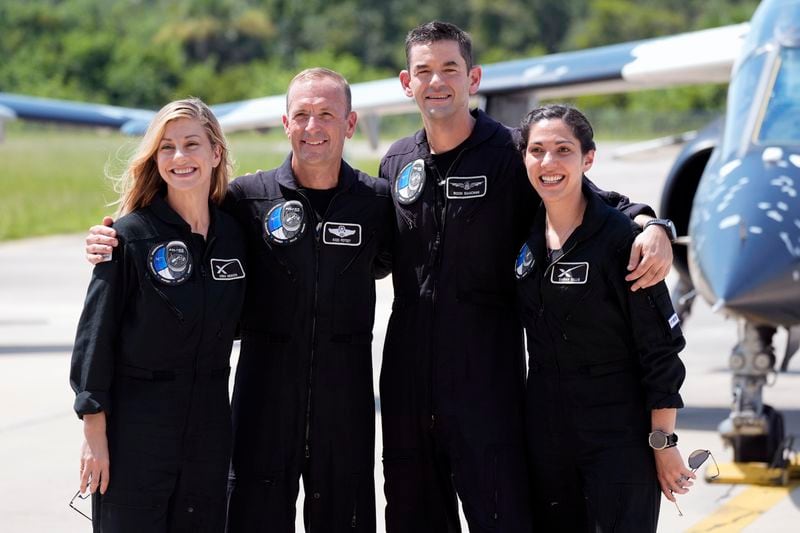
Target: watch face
<point>658,440</point>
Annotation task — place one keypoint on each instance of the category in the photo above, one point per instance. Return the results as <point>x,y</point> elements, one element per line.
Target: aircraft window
<point>781,123</point>
<point>740,98</point>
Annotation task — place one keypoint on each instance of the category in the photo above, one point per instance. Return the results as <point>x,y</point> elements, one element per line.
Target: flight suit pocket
<point>162,297</point>
<point>354,307</point>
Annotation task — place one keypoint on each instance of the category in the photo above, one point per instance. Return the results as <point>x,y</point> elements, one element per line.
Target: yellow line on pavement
<point>743,509</point>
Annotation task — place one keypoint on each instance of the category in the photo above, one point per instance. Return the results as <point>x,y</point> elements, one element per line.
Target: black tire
<point>761,448</point>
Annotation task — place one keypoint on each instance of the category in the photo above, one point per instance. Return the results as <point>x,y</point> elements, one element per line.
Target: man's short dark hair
<point>434,31</point>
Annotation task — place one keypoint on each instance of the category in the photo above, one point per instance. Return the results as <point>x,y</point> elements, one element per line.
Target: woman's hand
<point>94,454</point>
<point>673,475</point>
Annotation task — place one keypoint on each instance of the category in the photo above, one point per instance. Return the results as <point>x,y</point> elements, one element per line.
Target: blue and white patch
<point>410,182</point>
<point>524,263</point>
<point>464,188</point>
<point>674,320</point>
<point>226,269</point>
<point>286,222</point>
<point>570,273</point>
<point>341,234</point>
<point>170,262</point>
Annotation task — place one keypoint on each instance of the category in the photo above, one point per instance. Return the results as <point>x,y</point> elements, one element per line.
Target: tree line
<point>143,53</point>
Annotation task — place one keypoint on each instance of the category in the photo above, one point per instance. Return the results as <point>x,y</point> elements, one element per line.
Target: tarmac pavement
<point>42,286</point>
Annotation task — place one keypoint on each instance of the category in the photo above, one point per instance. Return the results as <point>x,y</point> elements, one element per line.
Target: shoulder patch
<point>524,262</point>
<point>285,223</point>
<point>170,262</point>
<point>410,183</point>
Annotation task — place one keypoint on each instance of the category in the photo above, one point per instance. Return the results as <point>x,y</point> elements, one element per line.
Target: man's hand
<point>652,246</point>
<point>101,241</point>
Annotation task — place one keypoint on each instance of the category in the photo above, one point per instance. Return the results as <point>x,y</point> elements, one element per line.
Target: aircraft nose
<point>745,251</point>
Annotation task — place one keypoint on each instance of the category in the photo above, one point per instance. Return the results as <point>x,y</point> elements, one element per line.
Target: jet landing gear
<point>754,429</point>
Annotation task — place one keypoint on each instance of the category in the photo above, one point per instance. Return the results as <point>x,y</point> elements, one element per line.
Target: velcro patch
<point>674,320</point>
<point>341,234</point>
<point>463,188</point>
<point>570,273</point>
<point>226,269</point>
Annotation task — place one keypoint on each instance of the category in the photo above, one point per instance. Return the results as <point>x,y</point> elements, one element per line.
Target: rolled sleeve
<point>93,355</point>
<point>658,339</point>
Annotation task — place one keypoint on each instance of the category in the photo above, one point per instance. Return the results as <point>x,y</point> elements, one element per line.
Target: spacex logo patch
<point>570,273</point>
<point>459,188</point>
<point>341,234</point>
<point>226,269</point>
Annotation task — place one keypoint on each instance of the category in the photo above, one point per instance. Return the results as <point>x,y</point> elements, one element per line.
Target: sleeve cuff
<point>89,403</point>
<point>662,401</point>
<point>634,210</point>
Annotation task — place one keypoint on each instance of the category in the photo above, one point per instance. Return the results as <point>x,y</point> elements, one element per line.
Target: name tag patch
<point>341,234</point>
<point>226,269</point>
<point>461,188</point>
<point>570,273</point>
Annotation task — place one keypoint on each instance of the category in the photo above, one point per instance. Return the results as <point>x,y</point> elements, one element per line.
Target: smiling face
<point>317,122</point>
<point>438,79</point>
<point>554,161</point>
<point>185,156</point>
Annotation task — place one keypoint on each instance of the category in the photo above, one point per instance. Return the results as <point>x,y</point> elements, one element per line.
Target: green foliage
<point>36,200</point>
<point>145,52</point>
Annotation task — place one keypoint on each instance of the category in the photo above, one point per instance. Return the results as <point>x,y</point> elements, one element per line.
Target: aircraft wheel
<point>761,448</point>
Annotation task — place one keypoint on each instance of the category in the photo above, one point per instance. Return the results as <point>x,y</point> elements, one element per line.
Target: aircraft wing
<point>68,112</point>
<point>381,97</point>
<point>705,56</point>
<point>689,58</point>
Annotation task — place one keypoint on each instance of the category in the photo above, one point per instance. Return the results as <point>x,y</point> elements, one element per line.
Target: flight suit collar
<point>286,178</point>
<point>166,214</point>
<point>595,215</point>
<point>484,128</point>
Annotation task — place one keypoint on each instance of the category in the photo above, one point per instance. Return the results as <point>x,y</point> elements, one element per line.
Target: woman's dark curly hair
<point>574,119</point>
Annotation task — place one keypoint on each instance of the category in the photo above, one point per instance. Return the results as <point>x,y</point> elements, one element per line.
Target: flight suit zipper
<point>544,277</point>
<point>203,281</point>
<point>320,224</point>
<point>440,219</point>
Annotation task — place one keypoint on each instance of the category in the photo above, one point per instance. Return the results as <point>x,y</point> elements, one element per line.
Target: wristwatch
<point>659,440</point>
<point>665,223</point>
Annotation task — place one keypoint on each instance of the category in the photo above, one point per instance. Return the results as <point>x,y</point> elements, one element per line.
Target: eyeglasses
<point>696,460</point>
<point>80,496</point>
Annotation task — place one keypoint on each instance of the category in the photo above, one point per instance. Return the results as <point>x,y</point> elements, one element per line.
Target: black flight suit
<point>601,358</point>
<point>153,352</point>
<point>303,402</point>
<point>453,374</point>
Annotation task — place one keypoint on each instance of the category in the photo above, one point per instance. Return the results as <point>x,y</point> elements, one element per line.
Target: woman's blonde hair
<point>140,182</point>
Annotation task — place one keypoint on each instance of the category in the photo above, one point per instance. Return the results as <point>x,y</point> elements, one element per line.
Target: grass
<point>52,180</point>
